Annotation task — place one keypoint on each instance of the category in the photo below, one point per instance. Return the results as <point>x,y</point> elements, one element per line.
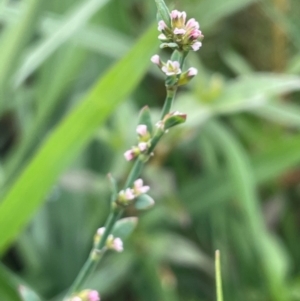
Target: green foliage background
<point>74,75</point>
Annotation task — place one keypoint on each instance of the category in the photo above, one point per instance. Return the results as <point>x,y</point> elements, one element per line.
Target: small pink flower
<point>117,244</point>
<point>195,46</point>
<point>192,71</point>
<point>142,146</point>
<point>179,31</point>
<point>141,129</point>
<point>129,155</point>
<point>139,188</point>
<point>93,296</point>
<point>171,68</point>
<point>162,25</point>
<point>101,231</point>
<point>192,23</point>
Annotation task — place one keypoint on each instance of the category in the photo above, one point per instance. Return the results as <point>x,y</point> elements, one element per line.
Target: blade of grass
<point>76,19</point>
<point>12,42</point>
<point>243,182</point>
<point>71,136</point>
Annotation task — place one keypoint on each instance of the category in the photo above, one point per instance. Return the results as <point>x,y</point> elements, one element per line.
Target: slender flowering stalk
<point>181,35</point>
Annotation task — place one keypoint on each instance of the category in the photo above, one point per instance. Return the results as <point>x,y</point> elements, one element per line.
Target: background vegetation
<point>227,179</point>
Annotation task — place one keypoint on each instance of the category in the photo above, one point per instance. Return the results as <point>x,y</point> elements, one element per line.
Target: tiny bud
<point>142,146</point>
<point>141,129</point>
<point>117,244</point>
<point>156,60</point>
<point>195,46</point>
<point>161,25</point>
<point>101,231</point>
<point>129,155</point>
<point>192,71</point>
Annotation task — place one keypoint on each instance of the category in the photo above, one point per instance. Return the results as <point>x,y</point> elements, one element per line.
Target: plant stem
<point>171,91</point>
<point>99,249</point>
<point>218,277</point>
<point>95,254</point>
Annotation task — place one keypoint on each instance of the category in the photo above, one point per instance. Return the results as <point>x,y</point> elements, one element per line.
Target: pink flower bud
<point>93,296</point>
<point>155,59</point>
<point>161,25</point>
<point>195,34</point>
<point>101,231</point>
<point>195,46</point>
<point>129,155</point>
<point>142,146</point>
<point>192,23</point>
<point>141,129</point>
<point>192,71</point>
<point>174,14</point>
<point>117,244</point>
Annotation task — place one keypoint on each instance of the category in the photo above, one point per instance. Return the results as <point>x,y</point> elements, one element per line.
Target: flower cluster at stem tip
<point>182,36</point>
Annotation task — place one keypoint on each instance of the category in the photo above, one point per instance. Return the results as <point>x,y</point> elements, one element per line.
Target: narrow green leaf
<point>12,42</point>
<point>163,12</point>
<point>71,136</point>
<point>68,28</point>
<point>145,118</point>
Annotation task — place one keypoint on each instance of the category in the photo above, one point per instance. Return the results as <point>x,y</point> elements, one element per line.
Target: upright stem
<point>218,277</point>
<point>171,91</point>
<point>99,249</point>
<point>95,254</point>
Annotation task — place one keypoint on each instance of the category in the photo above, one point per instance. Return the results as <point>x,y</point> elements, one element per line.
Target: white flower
<point>171,68</point>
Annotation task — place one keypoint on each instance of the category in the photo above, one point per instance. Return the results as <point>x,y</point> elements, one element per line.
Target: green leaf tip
<point>143,202</point>
<point>124,227</point>
<point>163,12</point>
<point>145,118</point>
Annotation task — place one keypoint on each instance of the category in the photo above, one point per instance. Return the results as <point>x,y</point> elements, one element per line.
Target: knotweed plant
<point>182,36</point>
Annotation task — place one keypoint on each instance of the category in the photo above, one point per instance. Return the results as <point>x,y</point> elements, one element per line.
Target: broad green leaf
<point>71,136</point>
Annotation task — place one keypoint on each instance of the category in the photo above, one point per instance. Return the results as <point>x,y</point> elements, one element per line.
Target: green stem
<point>218,277</point>
<point>171,91</point>
<point>95,255</point>
<point>134,173</point>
